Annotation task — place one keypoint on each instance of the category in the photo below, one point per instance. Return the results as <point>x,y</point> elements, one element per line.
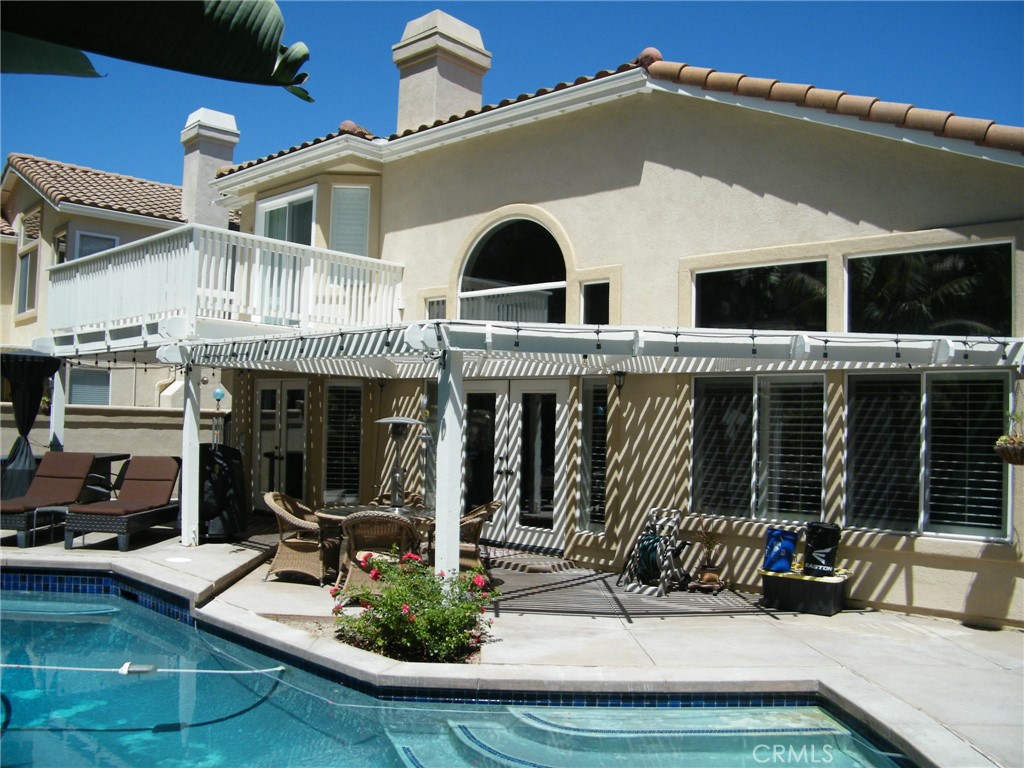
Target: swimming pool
<point>127,679</point>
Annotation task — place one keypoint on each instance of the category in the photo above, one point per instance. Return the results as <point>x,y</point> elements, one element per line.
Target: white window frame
<point>28,280</point>
<point>285,199</point>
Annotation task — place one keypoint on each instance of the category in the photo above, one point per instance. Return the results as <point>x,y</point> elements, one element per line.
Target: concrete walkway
<point>945,694</point>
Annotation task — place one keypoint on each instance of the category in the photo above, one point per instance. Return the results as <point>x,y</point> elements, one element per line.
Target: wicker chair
<point>377,533</point>
<point>470,528</point>
<point>412,500</point>
<point>302,546</point>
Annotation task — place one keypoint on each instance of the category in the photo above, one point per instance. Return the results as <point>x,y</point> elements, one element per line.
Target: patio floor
<point>950,695</point>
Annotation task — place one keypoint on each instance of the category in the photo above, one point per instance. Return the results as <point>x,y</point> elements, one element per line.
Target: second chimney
<point>442,63</point>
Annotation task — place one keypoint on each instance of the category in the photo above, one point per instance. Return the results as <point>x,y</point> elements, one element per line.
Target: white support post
<point>450,404</point>
<point>189,498</point>
<point>58,403</point>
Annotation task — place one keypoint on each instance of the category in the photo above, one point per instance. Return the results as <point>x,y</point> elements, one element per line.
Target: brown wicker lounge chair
<point>302,545</point>
<point>143,501</point>
<point>60,480</point>
<point>378,533</point>
<point>470,528</point>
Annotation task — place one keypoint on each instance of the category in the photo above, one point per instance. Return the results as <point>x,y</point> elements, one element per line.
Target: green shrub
<point>412,614</point>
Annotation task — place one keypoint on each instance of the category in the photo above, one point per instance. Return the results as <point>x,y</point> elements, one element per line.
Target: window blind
<point>966,480</point>
<point>723,446</point>
<point>344,434</point>
<point>884,452</point>
<point>790,444</point>
<point>88,387</point>
<point>350,220</point>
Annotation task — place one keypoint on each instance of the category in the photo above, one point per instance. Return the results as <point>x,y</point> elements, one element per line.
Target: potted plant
<point>709,574</point>
<point>1010,446</point>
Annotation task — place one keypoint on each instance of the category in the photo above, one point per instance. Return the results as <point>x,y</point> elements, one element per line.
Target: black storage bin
<point>821,549</point>
<point>222,507</point>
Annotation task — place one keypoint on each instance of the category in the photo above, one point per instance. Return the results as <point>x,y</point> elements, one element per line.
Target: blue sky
<point>964,57</point>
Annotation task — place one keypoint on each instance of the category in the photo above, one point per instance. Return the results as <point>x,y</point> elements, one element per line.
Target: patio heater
<point>399,430</point>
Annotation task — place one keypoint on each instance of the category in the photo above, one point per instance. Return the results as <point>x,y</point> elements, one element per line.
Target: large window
<point>952,291</point>
<point>920,453</point>
<point>759,447</point>
<point>88,386</point>
<point>28,259</point>
<point>343,419</point>
<point>350,220</point>
<point>594,455</point>
<point>516,274</point>
<point>781,297</point>
<point>28,264</point>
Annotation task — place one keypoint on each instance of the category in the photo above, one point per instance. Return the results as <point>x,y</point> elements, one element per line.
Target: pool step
<point>583,738</point>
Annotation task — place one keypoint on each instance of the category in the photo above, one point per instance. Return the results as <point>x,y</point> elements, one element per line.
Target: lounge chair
<point>379,534</point>
<point>60,480</point>
<point>302,545</point>
<point>470,528</point>
<point>143,502</point>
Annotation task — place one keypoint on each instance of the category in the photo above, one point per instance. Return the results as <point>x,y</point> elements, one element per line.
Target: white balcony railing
<point>198,273</point>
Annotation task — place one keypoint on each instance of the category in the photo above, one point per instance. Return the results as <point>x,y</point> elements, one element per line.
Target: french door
<point>280,444</point>
<point>516,452</point>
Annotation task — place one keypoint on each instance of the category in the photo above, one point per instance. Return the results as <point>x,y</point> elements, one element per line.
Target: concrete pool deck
<point>946,694</point>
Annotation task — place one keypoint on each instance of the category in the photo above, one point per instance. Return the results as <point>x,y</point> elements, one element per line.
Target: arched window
<point>515,274</point>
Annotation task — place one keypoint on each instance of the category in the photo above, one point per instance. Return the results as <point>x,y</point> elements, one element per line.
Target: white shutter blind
<point>344,416</point>
<point>884,452</point>
<point>350,220</point>
<point>723,446</point>
<point>790,443</point>
<point>89,387</point>
<point>966,480</point>
<point>595,454</point>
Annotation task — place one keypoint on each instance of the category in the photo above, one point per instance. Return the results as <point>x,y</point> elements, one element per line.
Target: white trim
<point>100,235</point>
<point>76,209</point>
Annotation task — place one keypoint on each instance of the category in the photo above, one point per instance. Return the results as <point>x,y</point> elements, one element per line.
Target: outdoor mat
<point>584,592</point>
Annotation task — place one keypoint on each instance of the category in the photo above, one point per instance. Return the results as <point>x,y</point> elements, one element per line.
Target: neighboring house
<point>58,213</point>
<point>660,286</point>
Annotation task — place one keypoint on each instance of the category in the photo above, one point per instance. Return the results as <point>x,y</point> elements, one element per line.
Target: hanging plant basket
<point>1011,454</point>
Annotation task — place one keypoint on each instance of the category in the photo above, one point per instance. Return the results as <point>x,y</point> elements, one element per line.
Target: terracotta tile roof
<point>944,124</point>
<point>66,183</point>
<point>6,230</point>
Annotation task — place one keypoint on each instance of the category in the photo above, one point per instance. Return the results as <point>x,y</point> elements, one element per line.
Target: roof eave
<point>846,122</point>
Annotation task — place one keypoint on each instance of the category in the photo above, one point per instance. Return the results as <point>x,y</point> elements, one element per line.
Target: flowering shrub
<point>411,614</point>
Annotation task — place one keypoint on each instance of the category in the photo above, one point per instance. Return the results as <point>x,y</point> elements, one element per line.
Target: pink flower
<point>405,608</point>
<point>375,574</point>
<point>366,559</point>
<point>479,580</point>
<point>441,574</point>
<point>411,556</point>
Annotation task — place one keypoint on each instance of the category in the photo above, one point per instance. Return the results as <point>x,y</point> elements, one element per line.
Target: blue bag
<point>780,547</point>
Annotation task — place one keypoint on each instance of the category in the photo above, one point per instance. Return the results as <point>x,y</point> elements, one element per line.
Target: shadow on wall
<point>974,582</point>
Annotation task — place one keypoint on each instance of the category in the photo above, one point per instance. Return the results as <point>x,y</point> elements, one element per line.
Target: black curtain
<point>27,371</point>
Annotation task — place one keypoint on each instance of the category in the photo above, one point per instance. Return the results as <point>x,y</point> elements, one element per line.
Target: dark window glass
<point>959,291</point>
<point>884,452</point>
<point>723,446</point>
<point>595,304</point>
<point>782,297</point>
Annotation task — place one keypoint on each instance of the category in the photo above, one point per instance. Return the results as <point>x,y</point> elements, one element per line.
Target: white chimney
<point>209,139</point>
<point>442,63</point>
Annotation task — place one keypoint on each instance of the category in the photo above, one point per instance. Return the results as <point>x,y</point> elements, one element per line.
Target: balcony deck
<point>203,282</point>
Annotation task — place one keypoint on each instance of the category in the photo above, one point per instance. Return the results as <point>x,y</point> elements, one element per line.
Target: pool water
<point>98,680</point>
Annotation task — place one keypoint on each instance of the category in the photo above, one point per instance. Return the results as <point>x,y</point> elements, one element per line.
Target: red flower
<point>479,580</point>
<point>405,608</point>
<point>411,556</point>
<point>366,559</point>
<point>375,574</point>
